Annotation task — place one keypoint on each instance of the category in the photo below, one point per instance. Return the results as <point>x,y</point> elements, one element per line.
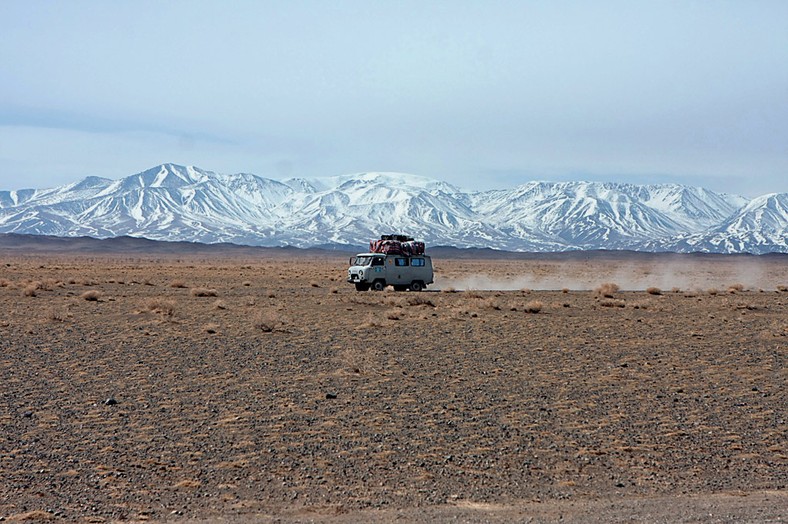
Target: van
<point>377,270</point>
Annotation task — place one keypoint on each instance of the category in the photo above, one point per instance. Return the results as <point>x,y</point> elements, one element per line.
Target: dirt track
<point>167,397</point>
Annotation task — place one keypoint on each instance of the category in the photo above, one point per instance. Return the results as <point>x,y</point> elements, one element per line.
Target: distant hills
<point>177,203</point>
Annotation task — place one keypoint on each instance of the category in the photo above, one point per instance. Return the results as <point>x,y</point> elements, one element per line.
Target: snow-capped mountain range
<point>171,202</point>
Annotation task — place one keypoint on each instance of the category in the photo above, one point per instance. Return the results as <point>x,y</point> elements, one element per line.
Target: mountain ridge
<point>173,202</point>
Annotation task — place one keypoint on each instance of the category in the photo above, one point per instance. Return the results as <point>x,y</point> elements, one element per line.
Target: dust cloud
<point>684,275</point>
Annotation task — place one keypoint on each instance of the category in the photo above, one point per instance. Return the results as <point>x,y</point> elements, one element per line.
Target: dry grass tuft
<point>712,291</point>
<point>565,290</point>
<point>736,288</point>
<point>267,321</point>
<point>419,300</point>
<point>485,303</point>
<point>675,290</point>
<point>534,306</point>
<point>314,284</point>
<point>91,295</point>
<point>4,282</point>
<point>203,292</point>
<point>372,322</point>
<point>178,284</point>
<point>612,303</point>
<point>211,328</point>
<point>654,291</point>
<point>58,314</point>
<point>246,283</point>
<point>448,290</point>
<point>160,306</point>
<point>334,290</point>
<point>219,304</point>
<point>782,289</point>
<point>608,289</point>
<point>30,290</point>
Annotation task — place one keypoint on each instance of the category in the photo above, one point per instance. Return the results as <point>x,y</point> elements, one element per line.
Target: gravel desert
<point>260,386</point>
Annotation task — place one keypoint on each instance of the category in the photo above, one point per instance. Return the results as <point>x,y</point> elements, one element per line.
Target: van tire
<point>379,285</point>
<point>416,286</point>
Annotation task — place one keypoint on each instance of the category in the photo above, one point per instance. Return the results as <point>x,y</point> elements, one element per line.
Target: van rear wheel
<point>378,285</point>
<point>416,286</point>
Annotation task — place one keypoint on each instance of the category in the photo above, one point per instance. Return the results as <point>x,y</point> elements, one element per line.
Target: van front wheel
<point>378,285</point>
<point>416,286</point>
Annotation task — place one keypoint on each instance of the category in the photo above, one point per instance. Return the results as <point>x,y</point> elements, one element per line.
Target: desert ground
<point>248,388</point>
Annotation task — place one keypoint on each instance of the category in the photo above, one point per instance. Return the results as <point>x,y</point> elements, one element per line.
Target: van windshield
<point>362,261</point>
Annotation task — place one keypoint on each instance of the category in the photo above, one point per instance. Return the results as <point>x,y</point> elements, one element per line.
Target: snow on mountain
<point>172,202</point>
<point>759,227</point>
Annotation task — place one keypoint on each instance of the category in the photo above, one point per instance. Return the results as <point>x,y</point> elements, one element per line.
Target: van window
<point>417,262</point>
<point>377,261</point>
<point>400,261</point>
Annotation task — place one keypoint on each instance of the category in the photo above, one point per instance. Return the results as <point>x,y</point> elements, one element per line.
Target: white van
<point>376,271</point>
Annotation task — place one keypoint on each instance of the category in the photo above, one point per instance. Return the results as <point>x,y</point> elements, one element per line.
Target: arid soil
<point>245,389</point>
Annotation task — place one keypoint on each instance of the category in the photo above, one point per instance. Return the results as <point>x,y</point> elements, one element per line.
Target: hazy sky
<point>481,94</point>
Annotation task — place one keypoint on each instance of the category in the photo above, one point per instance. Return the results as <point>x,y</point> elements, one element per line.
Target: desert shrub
<point>178,284</point>
<point>247,283</point>
<point>525,291</point>
<point>782,289</point>
<point>533,306</point>
<point>675,290</point>
<point>448,289</point>
<point>713,291</point>
<point>267,321</point>
<point>612,303</point>
<point>4,282</point>
<point>91,295</point>
<point>392,315</point>
<point>203,292</point>
<point>654,291</point>
<point>608,289</point>
<point>30,290</point>
<point>735,288</point>
<point>160,306</point>
<point>565,290</point>
<point>314,284</point>
<point>211,328</point>
<point>219,304</point>
<point>334,290</point>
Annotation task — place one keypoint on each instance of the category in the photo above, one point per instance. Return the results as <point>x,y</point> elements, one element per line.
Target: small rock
<point>331,396</point>
<point>110,401</point>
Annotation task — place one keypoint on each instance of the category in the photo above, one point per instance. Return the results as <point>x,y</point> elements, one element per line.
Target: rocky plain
<point>260,386</point>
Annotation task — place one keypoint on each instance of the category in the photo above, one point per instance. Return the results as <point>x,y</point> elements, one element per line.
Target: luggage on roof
<point>397,245</point>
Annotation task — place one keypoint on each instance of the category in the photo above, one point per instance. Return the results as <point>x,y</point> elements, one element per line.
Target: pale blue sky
<point>481,94</point>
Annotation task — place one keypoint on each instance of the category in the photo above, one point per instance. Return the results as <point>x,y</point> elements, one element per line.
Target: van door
<point>399,271</point>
